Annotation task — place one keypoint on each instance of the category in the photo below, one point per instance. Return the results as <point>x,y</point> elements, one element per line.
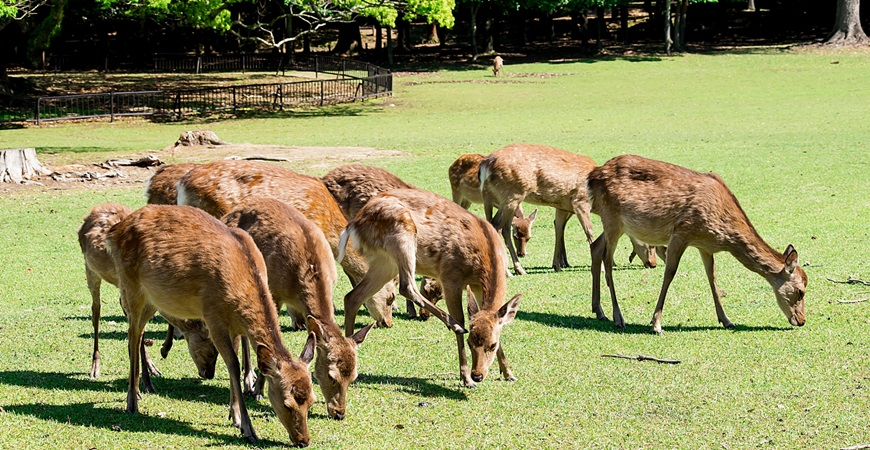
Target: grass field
<point>788,132</point>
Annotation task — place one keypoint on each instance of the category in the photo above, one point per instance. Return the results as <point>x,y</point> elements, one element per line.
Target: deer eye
<point>492,347</point>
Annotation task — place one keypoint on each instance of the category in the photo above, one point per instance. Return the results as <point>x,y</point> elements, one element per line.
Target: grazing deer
<point>544,176</point>
<point>408,231</point>
<point>497,64</point>
<point>301,274</point>
<point>219,186</point>
<point>180,260</point>
<point>99,266</point>
<point>160,190</point>
<point>465,186</point>
<point>662,203</point>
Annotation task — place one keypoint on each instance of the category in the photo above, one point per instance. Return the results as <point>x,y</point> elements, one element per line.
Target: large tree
<point>847,27</point>
<point>12,11</point>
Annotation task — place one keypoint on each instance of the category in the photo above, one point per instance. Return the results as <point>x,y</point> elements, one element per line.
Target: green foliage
<point>786,131</point>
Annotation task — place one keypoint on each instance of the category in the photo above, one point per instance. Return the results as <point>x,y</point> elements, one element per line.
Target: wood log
<point>19,164</point>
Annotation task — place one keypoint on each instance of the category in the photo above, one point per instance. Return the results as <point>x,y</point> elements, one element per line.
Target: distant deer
<point>180,260</point>
<point>408,231</point>
<point>219,186</point>
<point>661,203</point>
<point>99,266</point>
<point>497,64</point>
<point>301,274</point>
<point>465,187</point>
<point>353,185</point>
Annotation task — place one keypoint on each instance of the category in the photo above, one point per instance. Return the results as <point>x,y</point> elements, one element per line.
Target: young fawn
<point>180,260</point>
<point>665,204</point>
<point>408,231</point>
<point>99,266</point>
<point>301,274</point>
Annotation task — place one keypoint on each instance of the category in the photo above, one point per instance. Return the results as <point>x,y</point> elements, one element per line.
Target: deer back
<point>353,185</point>
<point>161,188</point>
<point>92,238</point>
<point>540,174</point>
<point>464,179</point>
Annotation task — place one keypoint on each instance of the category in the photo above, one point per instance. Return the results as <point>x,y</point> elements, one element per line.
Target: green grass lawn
<point>788,132</point>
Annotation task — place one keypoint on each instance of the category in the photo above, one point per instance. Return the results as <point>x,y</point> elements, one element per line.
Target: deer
<point>662,203</point>
<point>219,186</point>
<point>99,266</point>
<point>545,176</point>
<point>497,64</point>
<point>160,190</point>
<point>180,260</point>
<point>465,188</point>
<point>301,275</point>
<point>408,231</point>
<point>352,186</point>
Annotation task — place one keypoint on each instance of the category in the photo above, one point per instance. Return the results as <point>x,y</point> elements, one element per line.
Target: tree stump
<point>19,164</point>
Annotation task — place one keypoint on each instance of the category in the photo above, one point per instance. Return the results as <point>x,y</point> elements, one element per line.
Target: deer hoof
<point>470,384</point>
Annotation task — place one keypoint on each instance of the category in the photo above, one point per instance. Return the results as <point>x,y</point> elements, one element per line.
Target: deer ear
<point>533,215</point>
<point>472,303</point>
<point>266,360</point>
<point>509,310</point>
<point>317,328</point>
<point>791,257</point>
<point>360,335</point>
<point>308,351</point>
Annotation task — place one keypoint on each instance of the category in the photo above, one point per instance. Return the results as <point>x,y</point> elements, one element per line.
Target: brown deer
<point>301,274</point>
<point>408,231</point>
<point>497,64</point>
<point>160,190</point>
<point>465,187</point>
<point>219,186</point>
<point>545,176</point>
<point>99,267</point>
<point>180,260</point>
<point>662,203</point>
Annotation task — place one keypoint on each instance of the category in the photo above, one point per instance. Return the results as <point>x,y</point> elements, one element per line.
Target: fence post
<point>38,104</point>
<point>321,92</point>
<point>234,100</point>
<point>178,105</point>
<point>280,97</point>
<point>112,107</point>
<point>198,64</point>
<point>243,63</point>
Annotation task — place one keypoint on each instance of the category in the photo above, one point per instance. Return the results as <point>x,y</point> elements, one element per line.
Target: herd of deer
<point>203,262</point>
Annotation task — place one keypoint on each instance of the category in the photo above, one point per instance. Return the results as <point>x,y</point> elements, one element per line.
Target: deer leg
<point>583,210</point>
<point>381,270</point>
<point>560,257</point>
<point>251,386</point>
<point>149,364</point>
<point>94,282</point>
<point>503,364</point>
<point>676,247</point>
<point>504,225</point>
<point>453,298</point>
<point>710,268</point>
<point>597,250</point>
<point>238,412</point>
<point>409,291</point>
<point>167,343</point>
<point>611,240</point>
<point>138,314</point>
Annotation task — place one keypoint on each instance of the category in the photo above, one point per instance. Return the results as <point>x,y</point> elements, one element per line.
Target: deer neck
<point>755,254</point>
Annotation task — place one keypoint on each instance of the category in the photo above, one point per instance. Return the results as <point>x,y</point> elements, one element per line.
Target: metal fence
<point>353,80</point>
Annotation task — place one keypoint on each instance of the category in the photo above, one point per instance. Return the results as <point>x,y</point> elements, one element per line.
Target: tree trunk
<point>488,47</point>
<point>379,30</point>
<point>390,46</point>
<point>599,19</point>
<point>668,40</point>
<point>474,9</point>
<point>750,5</point>
<point>432,34</point>
<point>19,164</point>
<point>847,27</point>
<point>623,23</point>
<point>680,25</point>
<point>349,38</point>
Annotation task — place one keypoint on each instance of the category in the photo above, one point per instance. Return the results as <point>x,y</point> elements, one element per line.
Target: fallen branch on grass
<point>851,280</point>
<point>146,161</point>
<point>860,300</point>
<point>856,447</point>
<point>258,158</point>
<point>645,358</point>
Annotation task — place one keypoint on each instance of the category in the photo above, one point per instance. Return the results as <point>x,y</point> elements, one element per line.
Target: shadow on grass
<point>91,416</point>
<point>187,389</point>
<point>606,326</point>
<point>413,385</point>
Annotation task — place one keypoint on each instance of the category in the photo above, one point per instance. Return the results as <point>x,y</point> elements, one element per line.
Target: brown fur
<point>539,175</point>
<point>465,186</point>
<point>99,266</point>
<point>160,189</point>
<point>353,185</point>
<point>180,260</point>
<point>661,203</point>
<point>301,274</point>
<point>497,64</point>
<point>219,186</point>
<point>408,231</point>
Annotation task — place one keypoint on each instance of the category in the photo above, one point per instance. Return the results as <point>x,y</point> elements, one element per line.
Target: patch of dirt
<point>95,174</point>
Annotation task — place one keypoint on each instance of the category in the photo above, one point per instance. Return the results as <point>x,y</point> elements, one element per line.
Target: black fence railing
<point>352,81</point>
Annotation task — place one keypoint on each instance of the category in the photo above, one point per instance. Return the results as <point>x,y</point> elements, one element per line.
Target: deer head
<point>484,332</point>
<point>201,348</point>
<point>335,368</point>
<point>789,286</point>
<point>522,230</point>
<point>290,390</point>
